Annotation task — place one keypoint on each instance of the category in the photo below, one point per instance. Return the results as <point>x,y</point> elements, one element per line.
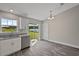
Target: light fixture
<point>11,10</point>
<point>50,17</point>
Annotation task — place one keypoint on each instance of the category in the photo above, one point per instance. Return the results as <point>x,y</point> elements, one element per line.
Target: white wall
<point>64,28</point>
<point>45,30</point>
<point>24,23</point>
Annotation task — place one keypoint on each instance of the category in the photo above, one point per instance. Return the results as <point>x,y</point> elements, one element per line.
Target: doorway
<point>34,33</point>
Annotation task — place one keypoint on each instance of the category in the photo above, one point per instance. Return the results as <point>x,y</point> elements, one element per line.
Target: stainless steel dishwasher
<point>25,41</point>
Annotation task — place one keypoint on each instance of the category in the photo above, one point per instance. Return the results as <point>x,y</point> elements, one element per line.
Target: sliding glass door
<point>34,32</point>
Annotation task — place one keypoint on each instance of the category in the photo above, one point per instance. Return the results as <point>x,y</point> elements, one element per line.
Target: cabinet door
<point>6,47</point>
<point>10,46</point>
<point>16,44</point>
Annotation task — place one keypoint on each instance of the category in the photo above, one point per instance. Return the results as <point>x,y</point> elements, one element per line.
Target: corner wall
<point>64,28</point>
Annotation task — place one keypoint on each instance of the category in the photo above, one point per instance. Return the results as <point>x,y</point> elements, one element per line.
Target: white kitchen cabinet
<point>9,46</point>
<point>16,44</point>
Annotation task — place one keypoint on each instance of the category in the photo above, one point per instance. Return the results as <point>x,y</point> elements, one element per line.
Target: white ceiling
<point>38,11</point>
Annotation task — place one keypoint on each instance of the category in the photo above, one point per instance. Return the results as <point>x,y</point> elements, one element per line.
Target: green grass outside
<point>8,29</point>
<point>33,35</point>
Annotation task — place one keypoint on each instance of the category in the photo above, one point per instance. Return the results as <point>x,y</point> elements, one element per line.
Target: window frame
<point>7,21</point>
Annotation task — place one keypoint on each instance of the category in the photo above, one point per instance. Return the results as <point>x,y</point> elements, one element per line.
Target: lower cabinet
<point>10,46</point>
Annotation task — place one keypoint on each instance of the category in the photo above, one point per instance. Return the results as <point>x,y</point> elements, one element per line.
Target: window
<point>8,25</point>
<point>9,22</point>
<point>3,21</point>
<point>14,23</point>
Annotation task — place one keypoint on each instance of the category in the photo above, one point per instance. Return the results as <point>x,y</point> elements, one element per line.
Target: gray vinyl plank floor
<point>45,48</point>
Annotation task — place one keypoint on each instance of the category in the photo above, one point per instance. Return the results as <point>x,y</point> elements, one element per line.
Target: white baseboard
<point>65,44</point>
